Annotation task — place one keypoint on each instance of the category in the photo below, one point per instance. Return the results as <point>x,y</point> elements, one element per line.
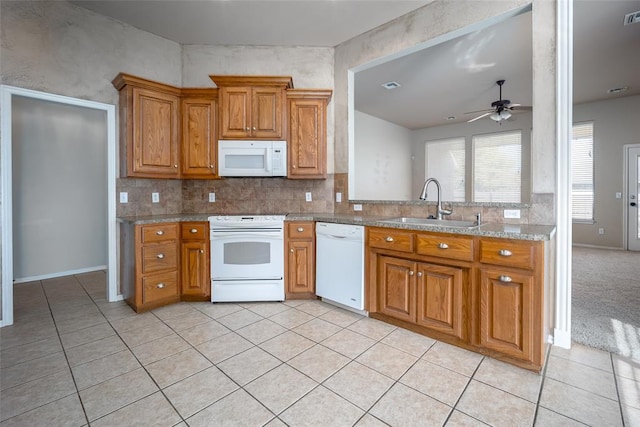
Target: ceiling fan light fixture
<point>495,116</point>
<point>505,114</point>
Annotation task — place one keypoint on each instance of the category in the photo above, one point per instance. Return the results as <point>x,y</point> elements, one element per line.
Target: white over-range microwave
<point>252,158</point>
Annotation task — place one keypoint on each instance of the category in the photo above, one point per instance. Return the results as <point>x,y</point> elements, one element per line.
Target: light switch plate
<point>307,196</point>
<point>338,197</point>
<point>357,207</point>
<point>512,213</point>
<point>212,197</point>
<point>124,197</point>
<point>155,197</point>
<point>618,195</point>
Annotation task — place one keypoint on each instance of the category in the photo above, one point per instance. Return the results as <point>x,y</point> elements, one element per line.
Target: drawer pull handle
<point>300,229</point>
<point>443,246</point>
<point>389,239</point>
<point>419,273</point>
<point>160,256</point>
<point>505,279</point>
<point>505,252</point>
<point>411,273</point>
<point>159,232</point>
<point>193,230</point>
<point>160,285</point>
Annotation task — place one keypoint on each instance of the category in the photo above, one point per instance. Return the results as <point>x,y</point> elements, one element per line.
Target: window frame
<point>591,220</point>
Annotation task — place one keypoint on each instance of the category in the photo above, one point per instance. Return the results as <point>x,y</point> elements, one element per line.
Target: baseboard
<point>562,338</point>
<point>59,274</point>
<point>582,245</point>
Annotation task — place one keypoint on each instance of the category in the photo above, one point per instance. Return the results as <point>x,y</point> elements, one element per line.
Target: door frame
<point>625,194</point>
<point>6,190</point>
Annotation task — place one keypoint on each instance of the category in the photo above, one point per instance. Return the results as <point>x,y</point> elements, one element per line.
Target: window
<point>445,161</point>
<point>582,172</point>
<point>497,167</point>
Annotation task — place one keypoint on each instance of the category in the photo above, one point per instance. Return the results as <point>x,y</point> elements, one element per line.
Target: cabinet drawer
<point>445,246</point>
<point>194,231</point>
<point>507,253</point>
<point>300,230</point>
<point>391,239</point>
<point>159,286</point>
<point>159,232</point>
<point>159,257</point>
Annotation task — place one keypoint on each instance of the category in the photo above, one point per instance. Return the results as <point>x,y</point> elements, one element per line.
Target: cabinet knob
<point>193,230</point>
<point>419,273</point>
<point>505,252</point>
<point>211,166</point>
<point>294,166</point>
<point>411,273</point>
<point>254,128</point>
<point>201,251</point>
<point>175,166</point>
<point>160,256</point>
<point>443,246</point>
<point>159,232</point>
<point>247,128</point>
<point>300,229</point>
<point>388,239</point>
<point>160,285</point>
<point>291,250</point>
<point>505,279</point>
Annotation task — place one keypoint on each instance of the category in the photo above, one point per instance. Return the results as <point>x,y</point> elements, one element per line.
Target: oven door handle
<point>243,236</point>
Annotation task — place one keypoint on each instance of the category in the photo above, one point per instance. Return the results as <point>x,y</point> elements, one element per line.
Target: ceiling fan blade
<point>519,107</point>
<point>480,111</point>
<point>479,117</point>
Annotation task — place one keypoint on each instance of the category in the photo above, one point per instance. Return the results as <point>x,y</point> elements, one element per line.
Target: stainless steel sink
<point>433,222</point>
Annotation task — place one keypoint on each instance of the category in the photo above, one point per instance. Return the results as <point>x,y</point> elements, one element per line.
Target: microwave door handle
<point>268,160</point>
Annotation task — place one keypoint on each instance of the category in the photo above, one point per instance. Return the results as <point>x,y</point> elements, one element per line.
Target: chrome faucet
<point>423,196</point>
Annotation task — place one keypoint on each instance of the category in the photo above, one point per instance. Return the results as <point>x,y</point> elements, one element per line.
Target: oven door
<point>247,254</point>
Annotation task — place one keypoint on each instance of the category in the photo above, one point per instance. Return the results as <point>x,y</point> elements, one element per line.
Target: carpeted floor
<point>606,300</point>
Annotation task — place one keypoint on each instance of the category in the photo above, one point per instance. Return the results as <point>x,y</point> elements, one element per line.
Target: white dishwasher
<point>340,263</point>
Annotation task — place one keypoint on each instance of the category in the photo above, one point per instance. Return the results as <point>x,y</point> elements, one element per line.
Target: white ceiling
<point>255,22</point>
<point>444,80</point>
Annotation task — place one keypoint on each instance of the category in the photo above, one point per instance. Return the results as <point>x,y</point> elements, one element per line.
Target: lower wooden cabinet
<point>196,280</point>
<point>164,263</point>
<point>300,260</point>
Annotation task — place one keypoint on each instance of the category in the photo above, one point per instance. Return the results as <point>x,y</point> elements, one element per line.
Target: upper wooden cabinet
<point>308,133</point>
<point>252,107</point>
<point>149,128</point>
<point>199,140</point>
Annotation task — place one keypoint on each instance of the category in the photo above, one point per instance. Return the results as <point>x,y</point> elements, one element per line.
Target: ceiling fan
<point>500,109</point>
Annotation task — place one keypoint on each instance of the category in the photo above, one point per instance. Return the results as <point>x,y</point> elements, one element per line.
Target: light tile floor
<point>72,359</point>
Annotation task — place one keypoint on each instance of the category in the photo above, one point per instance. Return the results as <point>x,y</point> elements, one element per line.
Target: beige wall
<point>615,123</point>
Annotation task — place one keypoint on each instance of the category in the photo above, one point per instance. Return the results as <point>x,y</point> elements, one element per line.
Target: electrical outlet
<point>338,197</point>
<point>155,197</point>
<point>307,196</point>
<point>212,197</point>
<point>357,207</point>
<point>512,213</point>
<point>124,197</point>
<point>600,230</point>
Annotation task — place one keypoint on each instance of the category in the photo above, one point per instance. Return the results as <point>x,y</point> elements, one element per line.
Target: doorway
<point>40,106</point>
<point>632,163</point>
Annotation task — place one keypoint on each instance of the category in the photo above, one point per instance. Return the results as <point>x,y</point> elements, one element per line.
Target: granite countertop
<point>505,231</point>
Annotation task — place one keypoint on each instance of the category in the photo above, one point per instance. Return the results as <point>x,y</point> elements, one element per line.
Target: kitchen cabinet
<point>195,265</point>
<point>199,138</point>
<point>155,274</point>
<point>511,298</point>
<point>300,260</point>
<point>307,111</point>
<point>480,293</point>
<point>252,107</point>
<point>149,128</point>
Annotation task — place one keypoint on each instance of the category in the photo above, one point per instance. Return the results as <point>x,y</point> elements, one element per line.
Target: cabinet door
<point>440,298</point>
<point>195,269</point>
<point>199,138</point>
<point>307,139</point>
<point>155,135</point>
<point>300,267</point>
<point>506,314</point>
<point>396,288</point>
<point>235,112</point>
<point>267,112</point>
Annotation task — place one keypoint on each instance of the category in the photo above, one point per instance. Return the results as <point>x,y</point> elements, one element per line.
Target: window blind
<point>582,192</point>
<point>497,167</point>
<point>445,161</point>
